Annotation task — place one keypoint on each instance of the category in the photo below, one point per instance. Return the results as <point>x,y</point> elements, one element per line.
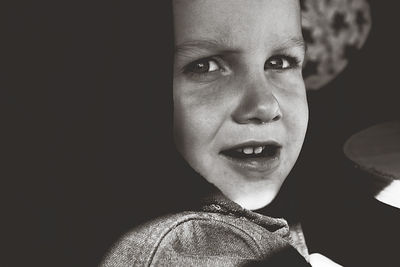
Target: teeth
<point>251,150</point>
<point>258,150</point>
<point>248,150</point>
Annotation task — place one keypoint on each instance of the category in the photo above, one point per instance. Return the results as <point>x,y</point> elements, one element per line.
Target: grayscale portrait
<point>202,133</point>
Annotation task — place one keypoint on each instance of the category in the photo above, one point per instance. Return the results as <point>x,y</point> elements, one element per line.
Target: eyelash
<point>292,62</point>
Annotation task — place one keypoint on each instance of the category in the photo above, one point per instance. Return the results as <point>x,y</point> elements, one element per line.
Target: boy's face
<point>240,109</point>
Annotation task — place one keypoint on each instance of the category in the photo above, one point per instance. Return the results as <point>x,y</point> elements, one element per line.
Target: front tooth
<point>258,150</point>
<point>248,150</point>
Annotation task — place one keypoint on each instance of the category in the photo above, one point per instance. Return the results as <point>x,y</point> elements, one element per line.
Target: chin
<point>258,198</point>
<point>252,193</point>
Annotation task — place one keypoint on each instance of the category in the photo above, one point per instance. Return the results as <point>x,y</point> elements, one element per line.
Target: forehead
<point>237,22</point>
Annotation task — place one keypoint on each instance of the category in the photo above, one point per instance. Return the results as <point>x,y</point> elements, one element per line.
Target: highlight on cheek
<point>290,80</point>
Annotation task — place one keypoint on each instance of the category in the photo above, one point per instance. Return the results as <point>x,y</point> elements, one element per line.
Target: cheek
<point>199,111</point>
<point>195,119</point>
<point>297,118</point>
<point>293,103</point>
<point>290,81</point>
<point>292,97</point>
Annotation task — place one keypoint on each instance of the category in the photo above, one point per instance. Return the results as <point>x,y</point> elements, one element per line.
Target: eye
<point>203,66</point>
<point>281,62</point>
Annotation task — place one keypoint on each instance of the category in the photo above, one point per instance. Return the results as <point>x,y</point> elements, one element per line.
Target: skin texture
<point>237,78</point>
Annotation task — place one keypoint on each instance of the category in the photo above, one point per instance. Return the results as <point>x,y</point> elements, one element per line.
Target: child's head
<point>240,109</point>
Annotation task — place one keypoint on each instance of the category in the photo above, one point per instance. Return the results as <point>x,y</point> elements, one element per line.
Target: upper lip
<point>252,144</point>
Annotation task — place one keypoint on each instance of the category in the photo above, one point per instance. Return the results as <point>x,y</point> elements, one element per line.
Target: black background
<point>82,98</point>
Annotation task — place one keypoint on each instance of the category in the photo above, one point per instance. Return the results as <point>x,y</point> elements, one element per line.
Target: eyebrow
<point>294,42</point>
<point>225,44</point>
<point>204,44</point>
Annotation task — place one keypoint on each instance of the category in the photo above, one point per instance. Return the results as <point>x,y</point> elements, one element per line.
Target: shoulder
<point>194,238</point>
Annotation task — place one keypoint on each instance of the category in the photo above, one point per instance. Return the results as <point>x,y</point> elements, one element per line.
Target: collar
<point>218,203</point>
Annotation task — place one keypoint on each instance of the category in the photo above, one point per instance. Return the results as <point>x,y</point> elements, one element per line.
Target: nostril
<point>276,118</point>
<point>257,120</point>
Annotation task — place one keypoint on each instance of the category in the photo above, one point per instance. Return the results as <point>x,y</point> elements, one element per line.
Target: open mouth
<point>253,151</point>
<point>254,157</point>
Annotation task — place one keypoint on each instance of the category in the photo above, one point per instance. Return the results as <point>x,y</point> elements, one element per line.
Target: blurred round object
<point>376,150</point>
<point>333,30</point>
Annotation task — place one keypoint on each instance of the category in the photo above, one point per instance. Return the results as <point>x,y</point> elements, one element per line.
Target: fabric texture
<point>219,233</point>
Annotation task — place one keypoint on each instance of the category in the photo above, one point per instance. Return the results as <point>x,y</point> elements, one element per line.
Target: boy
<point>240,117</point>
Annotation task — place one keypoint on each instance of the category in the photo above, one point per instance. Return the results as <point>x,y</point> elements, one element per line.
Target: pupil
<point>275,63</point>
<point>201,67</point>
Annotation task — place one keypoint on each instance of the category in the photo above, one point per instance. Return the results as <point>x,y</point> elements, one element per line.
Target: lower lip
<point>261,165</point>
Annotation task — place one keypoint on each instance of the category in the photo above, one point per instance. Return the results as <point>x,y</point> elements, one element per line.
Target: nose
<point>257,105</point>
